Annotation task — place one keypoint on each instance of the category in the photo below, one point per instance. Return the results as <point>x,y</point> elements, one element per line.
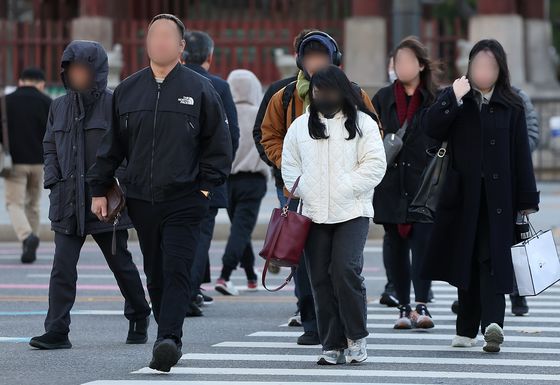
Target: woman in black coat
<point>490,180</point>
<point>405,101</point>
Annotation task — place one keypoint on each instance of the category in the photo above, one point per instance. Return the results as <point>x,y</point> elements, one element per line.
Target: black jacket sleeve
<point>110,155</point>
<point>231,113</point>
<point>51,167</point>
<point>257,133</point>
<point>216,154</point>
<point>438,119</point>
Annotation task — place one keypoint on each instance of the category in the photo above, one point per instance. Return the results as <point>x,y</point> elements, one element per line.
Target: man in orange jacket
<point>315,51</point>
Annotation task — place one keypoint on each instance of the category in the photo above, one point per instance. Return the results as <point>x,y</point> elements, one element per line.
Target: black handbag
<point>423,206</point>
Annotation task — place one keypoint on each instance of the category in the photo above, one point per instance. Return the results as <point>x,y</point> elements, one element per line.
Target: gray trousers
<point>334,254</point>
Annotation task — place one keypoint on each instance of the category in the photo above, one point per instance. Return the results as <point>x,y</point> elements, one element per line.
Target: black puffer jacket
<point>77,122</point>
<point>174,136</point>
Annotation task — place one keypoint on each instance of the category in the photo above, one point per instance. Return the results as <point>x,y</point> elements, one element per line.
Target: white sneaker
<point>331,357</point>
<point>463,342</point>
<point>357,351</point>
<point>226,287</point>
<point>493,337</point>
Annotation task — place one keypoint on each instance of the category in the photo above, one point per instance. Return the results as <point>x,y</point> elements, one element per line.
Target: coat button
<point>444,103</point>
<point>499,211</point>
<point>492,142</point>
<point>491,110</point>
<point>446,111</point>
<point>495,176</point>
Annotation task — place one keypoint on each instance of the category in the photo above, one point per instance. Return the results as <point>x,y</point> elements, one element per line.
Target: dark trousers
<point>200,271</point>
<point>303,292</point>
<point>396,257</point>
<point>245,193</point>
<point>62,286</point>
<point>168,233</point>
<point>335,258</point>
<point>480,304</point>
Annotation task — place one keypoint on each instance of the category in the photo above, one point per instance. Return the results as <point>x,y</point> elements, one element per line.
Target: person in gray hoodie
<point>246,184</point>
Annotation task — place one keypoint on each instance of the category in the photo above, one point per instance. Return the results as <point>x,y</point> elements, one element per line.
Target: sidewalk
<point>548,217</point>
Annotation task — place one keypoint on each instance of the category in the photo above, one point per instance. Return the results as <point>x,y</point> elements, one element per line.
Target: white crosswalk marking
<point>531,353</point>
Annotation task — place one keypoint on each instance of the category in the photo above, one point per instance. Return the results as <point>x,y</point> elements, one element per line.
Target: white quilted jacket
<point>338,176</point>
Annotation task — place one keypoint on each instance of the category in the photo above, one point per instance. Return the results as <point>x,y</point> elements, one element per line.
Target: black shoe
<point>519,305</point>
<point>166,354</point>
<point>389,299</point>
<point>138,331</point>
<point>309,338</point>
<point>51,340</point>
<point>199,300</point>
<point>207,299</point>
<point>193,311</point>
<point>30,245</point>
<point>455,307</point>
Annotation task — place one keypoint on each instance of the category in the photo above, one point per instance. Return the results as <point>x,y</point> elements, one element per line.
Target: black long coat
<point>399,185</point>
<point>77,122</point>
<point>487,146</point>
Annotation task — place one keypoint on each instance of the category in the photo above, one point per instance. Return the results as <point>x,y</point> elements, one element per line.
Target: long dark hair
<point>503,84</point>
<point>334,79</point>
<point>432,69</point>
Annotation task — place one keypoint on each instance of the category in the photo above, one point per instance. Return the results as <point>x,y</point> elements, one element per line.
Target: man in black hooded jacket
<point>76,124</point>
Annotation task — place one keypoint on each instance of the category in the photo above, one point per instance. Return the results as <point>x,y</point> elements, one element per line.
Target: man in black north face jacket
<point>169,124</point>
<point>75,127</point>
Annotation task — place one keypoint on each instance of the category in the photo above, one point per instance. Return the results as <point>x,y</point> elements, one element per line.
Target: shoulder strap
<point>287,96</point>
<point>5,137</point>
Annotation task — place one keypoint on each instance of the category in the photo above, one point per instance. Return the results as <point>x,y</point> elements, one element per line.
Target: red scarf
<point>405,111</point>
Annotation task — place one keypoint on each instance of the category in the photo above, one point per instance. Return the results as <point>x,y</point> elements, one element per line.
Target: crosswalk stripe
<point>157,382</point>
<point>373,359</point>
<point>291,372</point>
<point>414,335</point>
<point>516,328</point>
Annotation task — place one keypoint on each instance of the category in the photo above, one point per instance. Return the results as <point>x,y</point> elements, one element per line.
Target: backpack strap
<point>287,96</point>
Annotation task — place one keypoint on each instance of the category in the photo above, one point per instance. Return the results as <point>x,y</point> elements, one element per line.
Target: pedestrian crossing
<point>531,354</point>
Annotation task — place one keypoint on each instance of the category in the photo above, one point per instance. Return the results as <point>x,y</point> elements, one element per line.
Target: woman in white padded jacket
<point>337,151</point>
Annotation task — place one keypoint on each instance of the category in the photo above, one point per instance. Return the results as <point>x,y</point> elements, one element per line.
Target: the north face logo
<point>186,100</point>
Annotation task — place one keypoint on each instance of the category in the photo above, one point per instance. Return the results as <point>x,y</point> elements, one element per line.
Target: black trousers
<point>245,193</point>
<point>200,271</point>
<point>168,233</point>
<point>396,257</point>
<point>62,286</point>
<point>480,304</point>
<point>334,254</point>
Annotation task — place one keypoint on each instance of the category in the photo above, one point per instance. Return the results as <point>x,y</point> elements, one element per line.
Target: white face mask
<point>392,76</point>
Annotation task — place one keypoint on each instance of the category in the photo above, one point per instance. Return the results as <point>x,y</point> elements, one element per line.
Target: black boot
<point>519,305</point>
<point>51,340</point>
<point>309,338</point>
<point>193,311</point>
<point>138,331</point>
<point>166,354</point>
<point>30,245</point>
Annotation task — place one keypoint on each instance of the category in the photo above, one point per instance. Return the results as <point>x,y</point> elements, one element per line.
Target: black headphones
<point>337,55</point>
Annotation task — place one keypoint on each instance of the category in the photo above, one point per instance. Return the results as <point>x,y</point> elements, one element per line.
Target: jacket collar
<point>170,75</point>
<point>496,98</point>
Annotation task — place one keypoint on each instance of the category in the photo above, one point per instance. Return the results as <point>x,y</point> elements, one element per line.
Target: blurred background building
<point>257,35</point>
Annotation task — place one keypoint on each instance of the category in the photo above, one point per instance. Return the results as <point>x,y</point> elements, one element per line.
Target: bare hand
<point>461,87</point>
<point>99,207</point>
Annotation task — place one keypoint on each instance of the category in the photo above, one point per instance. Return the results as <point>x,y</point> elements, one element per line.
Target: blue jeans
<point>303,292</point>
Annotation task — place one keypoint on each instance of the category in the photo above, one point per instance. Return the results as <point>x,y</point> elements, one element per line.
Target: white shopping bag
<point>536,264</point>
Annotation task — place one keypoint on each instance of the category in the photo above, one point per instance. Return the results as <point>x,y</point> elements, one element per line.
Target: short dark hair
<point>198,48</point>
<point>33,74</point>
<point>167,16</point>
<point>316,47</point>
<point>299,38</point>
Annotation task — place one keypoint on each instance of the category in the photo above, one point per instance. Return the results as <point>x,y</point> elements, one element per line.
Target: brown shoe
<point>421,317</point>
<point>404,321</point>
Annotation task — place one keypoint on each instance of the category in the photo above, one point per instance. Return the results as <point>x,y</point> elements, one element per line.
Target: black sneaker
<point>404,321</point>
<point>388,299</point>
<point>51,340</point>
<point>309,338</point>
<point>193,311</point>
<point>519,305</point>
<point>295,320</point>
<point>30,245</point>
<point>138,331</point>
<point>166,354</point>
<point>421,317</point>
<point>455,307</point>
<point>207,300</point>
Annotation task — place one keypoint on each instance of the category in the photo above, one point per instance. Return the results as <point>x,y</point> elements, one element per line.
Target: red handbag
<point>285,239</point>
